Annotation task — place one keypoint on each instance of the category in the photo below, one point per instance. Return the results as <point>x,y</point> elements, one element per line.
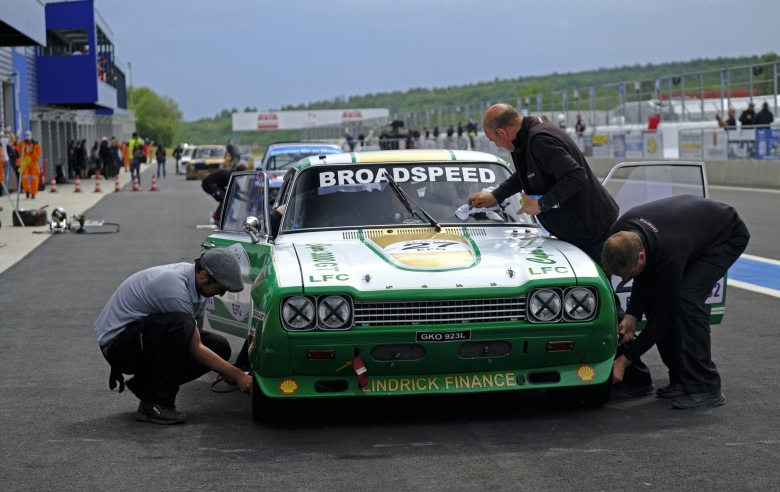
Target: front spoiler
<point>478,382</point>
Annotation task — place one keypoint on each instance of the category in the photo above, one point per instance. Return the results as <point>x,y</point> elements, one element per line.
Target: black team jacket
<point>675,232</point>
<point>549,163</point>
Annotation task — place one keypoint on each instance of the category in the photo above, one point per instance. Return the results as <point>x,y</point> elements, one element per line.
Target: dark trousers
<point>685,347</point>
<point>636,375</point>
<point>156,350</point>
<point>135,170</point>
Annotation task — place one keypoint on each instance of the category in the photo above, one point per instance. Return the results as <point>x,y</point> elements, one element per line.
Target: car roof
<point>387,156</point>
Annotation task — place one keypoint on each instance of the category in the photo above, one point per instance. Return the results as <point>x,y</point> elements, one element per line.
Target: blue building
<point>61,77</point>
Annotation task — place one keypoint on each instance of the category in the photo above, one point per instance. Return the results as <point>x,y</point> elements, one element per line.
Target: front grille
<point>389,313</point>
<point>203,167</point>
<point>471,350</point>
<point>398,352</point>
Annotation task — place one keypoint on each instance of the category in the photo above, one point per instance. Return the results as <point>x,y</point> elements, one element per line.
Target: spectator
<point>730,123</point>
<point>562,122</point>
<point>80,156</point>
<point>764,117</point>
<point>435,132</point>
<point>104,154</point>
<point>71,159</point>
<point>136,148</point>
<point>116,156</point>
<point>125,156</point>
<point>460,129</point>
<point>13,155</point>
<point>177,152</point>
<point>580,126</point>
<point>3,160</point>
<point>350,139</point>
<point>450,131</point>
<point>94,156</point>
<point>233,152</point>
<point>653,121</point>
<point>160,155</point>
<point>371,139</point>
<point>361,139</point>
<point>748,117</point>
<point>426,132</point>
<point>471,129</point>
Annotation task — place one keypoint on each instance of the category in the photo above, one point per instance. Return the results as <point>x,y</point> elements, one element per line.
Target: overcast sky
<point>209,55</point>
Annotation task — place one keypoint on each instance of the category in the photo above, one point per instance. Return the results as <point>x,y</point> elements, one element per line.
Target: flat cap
<point>223,267</point>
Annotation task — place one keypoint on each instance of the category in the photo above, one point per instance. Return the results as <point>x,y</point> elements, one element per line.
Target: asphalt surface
<point>61,428</point>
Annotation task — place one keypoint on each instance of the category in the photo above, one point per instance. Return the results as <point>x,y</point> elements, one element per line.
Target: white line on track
<point>738,188</point>
<point>761,259</point>
<point>753,288</point>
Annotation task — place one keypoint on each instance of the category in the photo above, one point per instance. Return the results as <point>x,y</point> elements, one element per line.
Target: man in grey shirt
<point>148,328</point>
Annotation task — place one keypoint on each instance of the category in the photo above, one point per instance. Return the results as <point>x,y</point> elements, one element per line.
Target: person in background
<point>579,127</point>
<point>361,139</point>
<point>116,156</point>
<point>653,121</point>
<point>233,152</point>
<point>471,128</point>
<point>136,149</point>
<point>764,117</point>
<point>748,116</point>
<point>460,129</point>
<point>3,160</point>
<point>450,131</point>
<point>730,123</point>
<point>177,152</point>
<point>71,159</point>
<point>29,153</point>
<point>371,140</point>
<point>216,183</point>
<point>94,156</point>
<point>435,132</point>
<point>82,155</point>
<point>125,156</point>
<point>426,132</point>
<point>160,155</point>
<point>105,158</point>
<point>350,139</point>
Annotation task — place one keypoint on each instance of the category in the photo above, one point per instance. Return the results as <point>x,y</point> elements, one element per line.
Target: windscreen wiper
<point>405,199</point>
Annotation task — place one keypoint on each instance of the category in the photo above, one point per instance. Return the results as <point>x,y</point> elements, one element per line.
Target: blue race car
<point>282,156</point>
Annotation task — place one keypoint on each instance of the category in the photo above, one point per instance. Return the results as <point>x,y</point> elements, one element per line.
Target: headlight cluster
<point>306,313</point>
<point>553,304</point>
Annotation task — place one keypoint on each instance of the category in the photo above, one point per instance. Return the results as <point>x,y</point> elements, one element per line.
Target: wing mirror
<point>252,227</point>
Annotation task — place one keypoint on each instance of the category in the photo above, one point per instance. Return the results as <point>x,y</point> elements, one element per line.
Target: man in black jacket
<point>216,183</point>
<point>748,116</point>
<point>675,249</point>
<point>764,117</point>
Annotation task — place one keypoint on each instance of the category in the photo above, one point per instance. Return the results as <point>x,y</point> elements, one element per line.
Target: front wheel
<point>265,409</point>
<point>582,396</point>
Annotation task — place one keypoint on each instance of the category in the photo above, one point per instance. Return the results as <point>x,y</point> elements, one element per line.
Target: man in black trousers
<point>573,205</point>
<point>675,249</point>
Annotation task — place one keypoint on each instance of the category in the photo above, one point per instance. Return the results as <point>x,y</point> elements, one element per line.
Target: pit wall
<point>761,174</point>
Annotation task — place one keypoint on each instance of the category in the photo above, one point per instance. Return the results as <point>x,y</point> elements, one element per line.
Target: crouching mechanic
<point>148,329</point>
<point>675,249</point>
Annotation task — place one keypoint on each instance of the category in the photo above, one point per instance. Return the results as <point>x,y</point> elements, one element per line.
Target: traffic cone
<point>154,183</point>
<point>78,185</point>
<point>97,184</point>
<point>135,184</point>
<point>117,189</point>
<point>53,185</point>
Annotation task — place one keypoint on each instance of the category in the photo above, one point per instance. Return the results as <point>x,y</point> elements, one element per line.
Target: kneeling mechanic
<point>152,327</point>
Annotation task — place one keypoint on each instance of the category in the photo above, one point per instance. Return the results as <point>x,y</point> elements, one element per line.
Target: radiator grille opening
<point>471,350</point>
<point>398,352</point>
<point>451,311</point>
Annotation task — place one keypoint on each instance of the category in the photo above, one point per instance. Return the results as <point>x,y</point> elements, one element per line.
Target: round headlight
<point>334,313</point>
<point>580,304</point>
<point>298,313</point>
<point>545,305</point>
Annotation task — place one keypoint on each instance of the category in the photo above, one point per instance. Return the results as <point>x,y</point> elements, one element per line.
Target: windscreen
<point>209,152</point>
<point>360,196</point>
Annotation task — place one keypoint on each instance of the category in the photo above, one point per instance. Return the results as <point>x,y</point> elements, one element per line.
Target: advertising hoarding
<point>296,120</point>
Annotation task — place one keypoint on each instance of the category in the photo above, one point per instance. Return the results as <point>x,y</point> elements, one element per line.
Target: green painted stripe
<point>452,155</point>
<point>354,157</point>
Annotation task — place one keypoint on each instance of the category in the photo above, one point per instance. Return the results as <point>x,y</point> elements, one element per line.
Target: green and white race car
<point>379,282</point>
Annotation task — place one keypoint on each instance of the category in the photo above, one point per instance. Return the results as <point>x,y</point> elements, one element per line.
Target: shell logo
<point>288,387</point>
<point>586,374</point>
<point>652,145</point>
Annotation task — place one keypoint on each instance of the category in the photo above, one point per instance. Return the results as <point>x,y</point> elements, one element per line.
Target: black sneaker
<point>158,414</point>
<point>699,400</point>
<point>670,391</point>
<point>622,390</point>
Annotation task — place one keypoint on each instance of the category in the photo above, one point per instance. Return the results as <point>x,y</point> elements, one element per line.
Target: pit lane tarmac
<point>61,427</point>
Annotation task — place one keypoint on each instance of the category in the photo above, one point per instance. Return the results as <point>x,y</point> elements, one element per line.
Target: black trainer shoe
<point>622,390</point>
<point>670,391</point>
<point>158,414</point>
<point>699,400</point>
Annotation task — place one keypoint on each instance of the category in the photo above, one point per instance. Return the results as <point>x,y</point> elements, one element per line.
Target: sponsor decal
<point>647,224</point>
<point>440,383</point>
<point>547,270</point>
<point>258,315</point>
<point>586,374</point>
<point>351,115</point>
<point>288,387</point>
<point>325,261</point>
<point>430,174</point>
<point>539,256</point>
<point>426,251</point>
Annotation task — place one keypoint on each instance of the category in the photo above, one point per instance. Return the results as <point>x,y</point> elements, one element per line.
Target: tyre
<point>582,396</point>
<point>264,409</point>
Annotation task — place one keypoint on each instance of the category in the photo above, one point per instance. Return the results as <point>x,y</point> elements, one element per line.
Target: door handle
<point>207,245</point>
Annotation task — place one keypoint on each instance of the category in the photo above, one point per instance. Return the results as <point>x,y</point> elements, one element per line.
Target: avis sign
<point>267,121</point>
<point>295,120</point>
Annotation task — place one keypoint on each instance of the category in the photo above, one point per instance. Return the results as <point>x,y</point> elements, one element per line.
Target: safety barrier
<point>761,142</point>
